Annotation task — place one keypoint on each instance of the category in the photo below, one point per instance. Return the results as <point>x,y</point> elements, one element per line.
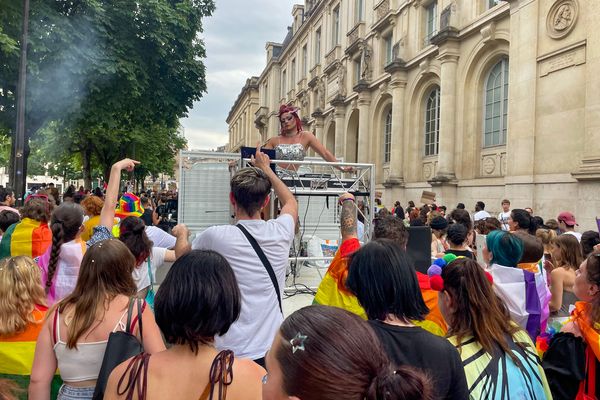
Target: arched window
<point>496,105</point>
<point>387,137</point>
<point>432,122</point>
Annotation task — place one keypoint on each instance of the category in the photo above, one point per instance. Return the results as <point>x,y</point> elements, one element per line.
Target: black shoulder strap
<point>265,262</point>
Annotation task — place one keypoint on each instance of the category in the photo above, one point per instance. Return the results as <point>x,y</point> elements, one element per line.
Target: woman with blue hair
<point>525,293</point>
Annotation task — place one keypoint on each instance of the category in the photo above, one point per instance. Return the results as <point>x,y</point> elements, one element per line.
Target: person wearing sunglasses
<point>293,142</point>
<point>32,235</point>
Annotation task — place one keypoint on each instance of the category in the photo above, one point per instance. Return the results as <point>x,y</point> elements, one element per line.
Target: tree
<point>112,75</point>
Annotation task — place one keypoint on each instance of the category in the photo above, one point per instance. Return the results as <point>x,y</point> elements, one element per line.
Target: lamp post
<point>18,177</point>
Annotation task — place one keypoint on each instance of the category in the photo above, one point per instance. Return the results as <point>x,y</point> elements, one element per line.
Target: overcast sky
<point>235,38</point>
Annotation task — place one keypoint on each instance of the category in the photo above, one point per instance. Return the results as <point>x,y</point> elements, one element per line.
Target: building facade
<point>471,99</point>
<point>241,118</point>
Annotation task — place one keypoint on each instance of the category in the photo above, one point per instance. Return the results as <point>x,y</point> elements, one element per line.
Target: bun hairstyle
<point>283,109</point>
<point>327,353</point>
<point>525,220</point>
<point>65,223</point>
<point>133,234</point>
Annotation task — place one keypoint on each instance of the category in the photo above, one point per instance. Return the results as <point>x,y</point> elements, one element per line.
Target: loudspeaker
<point>419,247</point>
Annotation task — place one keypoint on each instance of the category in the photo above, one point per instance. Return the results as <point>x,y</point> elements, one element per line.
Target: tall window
<point>318,46</point>
<point>388,46</point>
<point>387,137</point>
<point>304,61</point>
<point>335,30</point>
<point>496,105</point>
<point>293,73</point>
<point>359,6</point>
<point>432,122</point>
<point>430,22</point>
<point>283,84</point>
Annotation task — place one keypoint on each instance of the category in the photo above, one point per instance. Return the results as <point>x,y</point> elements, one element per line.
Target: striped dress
<point>26,238</point>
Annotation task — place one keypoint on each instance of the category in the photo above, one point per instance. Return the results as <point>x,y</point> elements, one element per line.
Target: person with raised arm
<point>258,251</point>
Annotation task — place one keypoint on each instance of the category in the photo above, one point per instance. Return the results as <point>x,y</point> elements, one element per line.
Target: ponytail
<point>57,242</point>
<point>404,383</point>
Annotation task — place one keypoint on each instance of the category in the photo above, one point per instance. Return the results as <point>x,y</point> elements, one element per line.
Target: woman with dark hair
<point>148,258</point>
<point>572,362</point>
<point>198,300</point>
<point>60,263</point>
<point>589,239</point>
<point>385,283</point>
<point>293,142</point>
<point>499,358</point>
<point>521,220</point>
<point>525,293</point>
<point>75,334</point>
<point>457,238</point>
<point>326,353</point>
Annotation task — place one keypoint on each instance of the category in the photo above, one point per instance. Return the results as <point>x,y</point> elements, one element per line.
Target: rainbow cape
<point>580,316</point>
<point>332,291</point>
<point>26,238</point>
<point>16,355</point>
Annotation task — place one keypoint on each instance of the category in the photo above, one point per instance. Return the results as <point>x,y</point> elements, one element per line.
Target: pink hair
<point>292,110</point>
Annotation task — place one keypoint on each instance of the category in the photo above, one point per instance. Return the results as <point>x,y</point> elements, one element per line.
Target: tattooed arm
<point>348,217</point>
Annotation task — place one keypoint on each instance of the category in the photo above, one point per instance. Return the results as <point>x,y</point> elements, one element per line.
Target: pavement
<point>295,297</point>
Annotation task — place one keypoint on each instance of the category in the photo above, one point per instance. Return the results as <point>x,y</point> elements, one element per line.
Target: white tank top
<point>84,362</point>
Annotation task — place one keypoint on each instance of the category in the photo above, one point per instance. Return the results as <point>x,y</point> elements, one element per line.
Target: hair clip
<point>298,342</point>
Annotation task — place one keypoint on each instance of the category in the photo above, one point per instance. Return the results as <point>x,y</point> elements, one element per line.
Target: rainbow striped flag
<point>16,355</point>
<point>26,238</point>
<point>332,291</point>
<point>434,322</point>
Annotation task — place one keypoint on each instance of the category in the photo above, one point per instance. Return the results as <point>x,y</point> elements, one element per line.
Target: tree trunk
<point>86,157</point>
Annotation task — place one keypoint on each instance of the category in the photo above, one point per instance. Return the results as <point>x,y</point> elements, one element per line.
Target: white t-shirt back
<point>140,273</point>
<point>576,234</point>
<point>252,334</point>
<point>481,215</point>
<point>160,238</point>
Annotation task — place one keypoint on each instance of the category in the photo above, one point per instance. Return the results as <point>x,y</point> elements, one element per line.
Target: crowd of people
<point>516,318</point>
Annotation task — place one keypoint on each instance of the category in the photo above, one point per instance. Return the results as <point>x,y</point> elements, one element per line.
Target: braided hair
<point>65,223</point>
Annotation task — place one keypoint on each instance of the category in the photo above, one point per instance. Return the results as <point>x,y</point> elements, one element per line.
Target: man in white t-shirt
<point>566,223</point>
<point>505,215</point>
<point>480,212</point>
<point>252,334</point>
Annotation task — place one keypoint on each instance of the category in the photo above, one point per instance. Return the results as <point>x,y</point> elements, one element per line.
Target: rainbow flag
<point>26,238</point>
<point>16,355</point>
<point>434,322</point>
<point>332,291</point>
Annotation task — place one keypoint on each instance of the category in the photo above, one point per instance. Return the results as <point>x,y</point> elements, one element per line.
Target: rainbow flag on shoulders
<point>17,351</point>
<point>26,238</point>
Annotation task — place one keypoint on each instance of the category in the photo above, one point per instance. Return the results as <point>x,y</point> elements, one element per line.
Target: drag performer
<point>292,143</point>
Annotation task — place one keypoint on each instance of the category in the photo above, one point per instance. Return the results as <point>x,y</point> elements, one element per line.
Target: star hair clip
<point>298,342</point>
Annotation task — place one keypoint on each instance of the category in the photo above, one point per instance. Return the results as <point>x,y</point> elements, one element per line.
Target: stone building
<point>241,118</point>
<point>471,99</point>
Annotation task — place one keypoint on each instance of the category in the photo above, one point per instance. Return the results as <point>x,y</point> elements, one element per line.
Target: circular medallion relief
<point>427,172</point>
<point>561,18</point>
<point>489,165</point>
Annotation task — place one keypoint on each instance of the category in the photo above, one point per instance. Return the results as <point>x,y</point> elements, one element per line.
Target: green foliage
<point>106,79</point>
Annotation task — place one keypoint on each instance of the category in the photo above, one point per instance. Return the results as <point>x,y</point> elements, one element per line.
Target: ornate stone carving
<point>382,9</point>
<point>493,162</point>
<point>562,18</point>
<point>321,94</point>
<point>489,165</point>
<point>428,170</point>
<point>341,79</point>
<point>365,62</point>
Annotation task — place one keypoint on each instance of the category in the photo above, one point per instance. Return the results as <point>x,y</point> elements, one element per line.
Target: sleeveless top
<point>292,152</point>
<point>84,362</point>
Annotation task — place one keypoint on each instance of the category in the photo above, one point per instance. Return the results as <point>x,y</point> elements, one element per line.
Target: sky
<point>235,37</point>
